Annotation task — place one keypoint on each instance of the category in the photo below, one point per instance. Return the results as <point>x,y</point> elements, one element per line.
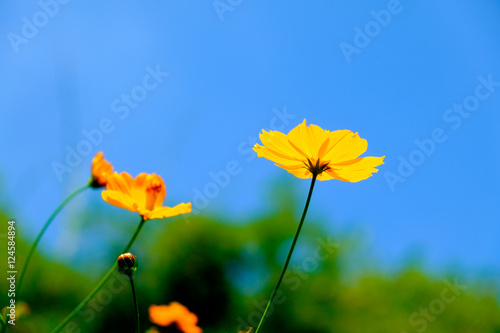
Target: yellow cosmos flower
<point>308,150</point>
<point>143,194</point>
<point>165,315</point>
<point>101,170</point>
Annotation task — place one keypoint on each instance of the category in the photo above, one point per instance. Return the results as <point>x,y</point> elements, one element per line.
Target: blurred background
<point>183,89</point>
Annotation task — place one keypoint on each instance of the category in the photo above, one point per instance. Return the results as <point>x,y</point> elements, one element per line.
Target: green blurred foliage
<point>225,272</point>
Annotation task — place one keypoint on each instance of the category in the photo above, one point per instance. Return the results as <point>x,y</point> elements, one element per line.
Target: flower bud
<point>127,264</point>
<point>101,170</point>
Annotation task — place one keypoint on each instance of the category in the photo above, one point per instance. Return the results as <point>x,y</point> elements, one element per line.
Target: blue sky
<point>419,80</point>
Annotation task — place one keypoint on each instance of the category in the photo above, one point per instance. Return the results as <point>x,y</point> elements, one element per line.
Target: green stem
<point>4,323</point>
<point>261,323</point>
<point>100,284</point>
<point>40,234</point>
<point>136,305</point>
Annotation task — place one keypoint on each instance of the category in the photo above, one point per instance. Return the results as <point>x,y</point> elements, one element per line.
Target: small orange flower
<point>143,194</point>
<point>165,315</point>
<point>101,170</point>
<point>308,150</point>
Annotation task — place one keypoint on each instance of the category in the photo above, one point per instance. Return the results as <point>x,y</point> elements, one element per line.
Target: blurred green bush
<point>225,272</point>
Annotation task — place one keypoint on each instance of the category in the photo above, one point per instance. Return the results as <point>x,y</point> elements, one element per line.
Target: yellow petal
<point>333,139</point>
<point>299,171</point>
<point>355,170</point>
<point>118,199</point>
<point>138,189</point>
<point>120,182</point>
<point>273,156</point>
<point>159,213</point>
<point>348,146</point>
<point>278,143</point>
<point>311,149</point>
<point>323,148</point>
<point>321,140</point>
<point>324,176</point>
<point>302,140</point>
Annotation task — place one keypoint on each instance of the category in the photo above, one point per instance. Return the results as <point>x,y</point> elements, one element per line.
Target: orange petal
<point>165,315</point>
<point>101,170</point>
<point>158,186</point>
<point>189,328</point>
<point>161,315</point>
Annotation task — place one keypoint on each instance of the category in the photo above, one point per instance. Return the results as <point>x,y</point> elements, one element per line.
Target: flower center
<point>152,191</point>
<point>154,187</point>
<point>316,168</point>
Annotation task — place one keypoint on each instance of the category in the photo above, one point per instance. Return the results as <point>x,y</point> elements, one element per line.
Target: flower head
<point>101,170</point>
<point>143,194</point>
<point>165,315</point>
<point>310,150</point>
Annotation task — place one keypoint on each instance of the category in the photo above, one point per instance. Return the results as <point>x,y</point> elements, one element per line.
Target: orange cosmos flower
<point>165,315</point>
<point>308,150</point>
<point>143,194</point>
<point>101,170</point>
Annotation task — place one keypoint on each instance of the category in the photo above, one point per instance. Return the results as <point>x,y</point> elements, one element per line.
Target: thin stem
<point>45,226</point>
<point>261,323</point>
<point>136,305</point>
<point>4,322</point>
<point>101,282</point>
